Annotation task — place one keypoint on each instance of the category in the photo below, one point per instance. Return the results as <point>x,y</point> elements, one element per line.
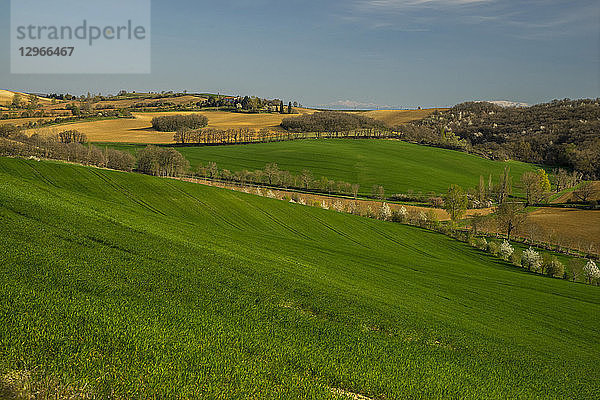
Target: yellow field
<point>139,129</point>
<point>394,118</point>
<point>6,97</point>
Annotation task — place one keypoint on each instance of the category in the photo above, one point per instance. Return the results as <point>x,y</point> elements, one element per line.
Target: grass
<point>398,166</point>
<point>139,287</point>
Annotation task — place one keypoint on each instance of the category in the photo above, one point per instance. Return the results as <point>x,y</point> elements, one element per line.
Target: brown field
<point>570,197</point>
<point>394,118</point>
<point>139,129</point>
<point>568,226</point>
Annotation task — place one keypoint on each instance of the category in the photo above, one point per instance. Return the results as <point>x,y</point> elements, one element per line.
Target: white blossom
<point>531,259</point>
<point>506,250</point>
<point>338,206</point>
<point>385,213</point>
<point>591,271</point>
<point>324,205</point>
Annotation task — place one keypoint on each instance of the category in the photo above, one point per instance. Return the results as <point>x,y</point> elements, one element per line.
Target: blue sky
<point>363,53</point>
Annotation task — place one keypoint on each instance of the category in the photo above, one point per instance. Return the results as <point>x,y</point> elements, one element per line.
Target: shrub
<point>591,271</point>
<point>481,243</point>
<point>505,250</point>
<point>493,248</point>
<point>385,213</point>
<point>400,215</point>
<point>531,260</point>
<point>8,130</point>
<point>515,258</point>
<point>555,268</point>
<point>173,123</point>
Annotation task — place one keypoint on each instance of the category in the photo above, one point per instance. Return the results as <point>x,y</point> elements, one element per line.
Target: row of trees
<point>272,175</point>
<point>71,146</point>
<point>51,148</point>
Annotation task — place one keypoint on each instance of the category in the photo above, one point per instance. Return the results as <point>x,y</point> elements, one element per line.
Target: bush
<point>400,216</point>
<point>385,213</point>
<point>591,271</point>
<point>505,250</point>
<point>493,248</point>
<point>554,268</point>
<point>481,243</point>
<point>9,130</point>
<point>173,123</point>
<point>531,260</point>
<point>515,258</point>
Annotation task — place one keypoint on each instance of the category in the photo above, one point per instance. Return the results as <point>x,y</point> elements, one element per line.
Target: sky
<point>356,53</point>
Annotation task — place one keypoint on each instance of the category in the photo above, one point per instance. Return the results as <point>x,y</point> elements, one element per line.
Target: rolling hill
<point>397,165</point>
<point>130,286</point>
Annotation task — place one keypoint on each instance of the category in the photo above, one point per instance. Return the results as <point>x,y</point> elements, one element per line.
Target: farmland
<point>393,118</point>
<point>260,298</point>
<point>139,129</point>
<point>398,166</point>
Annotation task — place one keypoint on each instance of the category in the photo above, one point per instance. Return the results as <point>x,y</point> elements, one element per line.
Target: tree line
<point>331,122</point>
<point>72,146</point>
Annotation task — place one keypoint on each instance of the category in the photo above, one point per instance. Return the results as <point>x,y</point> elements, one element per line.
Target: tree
<point>510,216</point>
<point>504,187</point>
<point>536,186</point>
<point>378,192</point>
<point>8,130</point>
<point>17,101</point>
<point>531,260</point>
<point>506,250</point>
<point>385,213</point>
<point>455,202</point>
<point>33,101</point>
<point>591,271</point>
<point>355,188</point>
<point>481,192</point>
<point>289,110</point>
<point>272,173</point>
<point>306,178</point>
<point>72,136</point>
<point>585,191</point>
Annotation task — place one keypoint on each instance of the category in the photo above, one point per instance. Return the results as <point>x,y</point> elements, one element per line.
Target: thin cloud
<point>349,104</point>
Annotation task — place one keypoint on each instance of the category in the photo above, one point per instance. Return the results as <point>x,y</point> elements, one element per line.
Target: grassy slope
<point>140,286</point>
<point>398,166</point>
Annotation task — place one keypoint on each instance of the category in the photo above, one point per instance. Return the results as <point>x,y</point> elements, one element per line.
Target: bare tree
<point>510,216</point>
<point>355,189</point>
<point>585,191</point>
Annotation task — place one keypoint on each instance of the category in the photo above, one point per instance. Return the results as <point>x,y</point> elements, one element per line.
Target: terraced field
<point>398,166</point>
<point>130,286</point>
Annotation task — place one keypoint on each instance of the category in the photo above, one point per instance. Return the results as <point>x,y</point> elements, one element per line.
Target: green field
<point>398,166</point>
<point>133,286</point>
